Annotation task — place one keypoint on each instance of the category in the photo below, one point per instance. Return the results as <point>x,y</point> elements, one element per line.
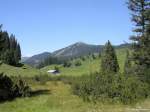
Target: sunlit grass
<point>88,66</point>
<point>60,99</point>
<point>25,71</point>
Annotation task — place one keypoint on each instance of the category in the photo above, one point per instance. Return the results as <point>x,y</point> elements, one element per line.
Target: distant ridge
<point>36,59</point>
<point>75,50</point>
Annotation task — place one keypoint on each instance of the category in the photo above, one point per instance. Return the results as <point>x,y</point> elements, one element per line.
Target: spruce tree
<point>6,44</point>
<point>13,42</point>
<point>141,41</point>
<point>2,42</point>
<point>127,65</point>
<point>109,61</point>
<point>17,54</point>
<point>18,51</point>
<point>15,50</point>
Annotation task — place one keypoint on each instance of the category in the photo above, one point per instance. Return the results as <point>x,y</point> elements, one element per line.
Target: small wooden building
<point>55,72</point>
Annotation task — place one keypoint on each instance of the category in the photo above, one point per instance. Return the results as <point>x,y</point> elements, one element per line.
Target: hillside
<point>24,71</point>
<point>23,59</point>
<point>75,50</point>
<point>88,66</point>
<point>36,59</point>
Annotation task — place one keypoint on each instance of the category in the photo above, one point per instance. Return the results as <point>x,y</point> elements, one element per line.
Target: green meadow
<point>88,66</point>
<point>57,96</point>
<point>36,76</point>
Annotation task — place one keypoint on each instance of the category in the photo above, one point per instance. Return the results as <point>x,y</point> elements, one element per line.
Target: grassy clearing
<point>88,66</point>
<point>55,96</point>
<point>59,98</point>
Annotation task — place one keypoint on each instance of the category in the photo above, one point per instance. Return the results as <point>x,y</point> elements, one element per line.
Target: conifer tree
<point>10,52</point>
<point>127,65</point>
<point>18,51</point>
<point>2,41</point>
<point>109,61</point>
<point>13,42</point>
<point>141,41</point>
<point>6,43</point>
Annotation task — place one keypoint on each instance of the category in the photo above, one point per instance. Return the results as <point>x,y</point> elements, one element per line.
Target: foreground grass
<point>57,97</point>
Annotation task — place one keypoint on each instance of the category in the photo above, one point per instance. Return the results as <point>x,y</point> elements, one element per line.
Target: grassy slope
<point>86,67</point>
<point>26,71</point>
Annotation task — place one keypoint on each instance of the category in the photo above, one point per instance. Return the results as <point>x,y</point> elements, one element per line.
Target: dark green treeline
<point>10,51</point>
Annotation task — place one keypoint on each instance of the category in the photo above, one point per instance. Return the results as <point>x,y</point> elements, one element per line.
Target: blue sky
<point>48,25</point>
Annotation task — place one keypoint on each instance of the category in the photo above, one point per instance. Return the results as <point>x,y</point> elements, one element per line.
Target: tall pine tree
<point>2,41</point>
<point>141,41</point>
<point>18,51</point>
<point>109,61</point>
<point>127,65</point>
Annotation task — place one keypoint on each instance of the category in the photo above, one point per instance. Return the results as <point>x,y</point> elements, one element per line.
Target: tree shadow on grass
<point>19,65</point>
<point>40,92</point>
<point>32,94</point>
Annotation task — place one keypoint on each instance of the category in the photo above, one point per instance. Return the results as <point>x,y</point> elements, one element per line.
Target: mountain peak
<point>77,49</point>
<point>80,43</point>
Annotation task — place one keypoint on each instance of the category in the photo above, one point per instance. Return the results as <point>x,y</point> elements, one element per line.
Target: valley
<point>75,56</point>
<point>57,96</point>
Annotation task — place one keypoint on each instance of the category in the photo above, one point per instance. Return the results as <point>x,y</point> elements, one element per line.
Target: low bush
<point>94,56</point>
<point>83,58</point>
<point>57,68</point>
<point>110,88</point>
<point>12,87</point>
<point>67,64</point>
<point>20,88</point>
<point>78,63</point>
<point>6,86</point>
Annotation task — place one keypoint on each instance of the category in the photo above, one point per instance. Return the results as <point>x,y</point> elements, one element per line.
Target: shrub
<point>94,56</point>
<point>78,63</point>
<point>6,85</point>
<point>83,58</point>
<point>111,88</point>
<point>21,89</point>
<point>10,89</point>
<point>57,68</point>
<point>1,62</point>
<point>67,64</point>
